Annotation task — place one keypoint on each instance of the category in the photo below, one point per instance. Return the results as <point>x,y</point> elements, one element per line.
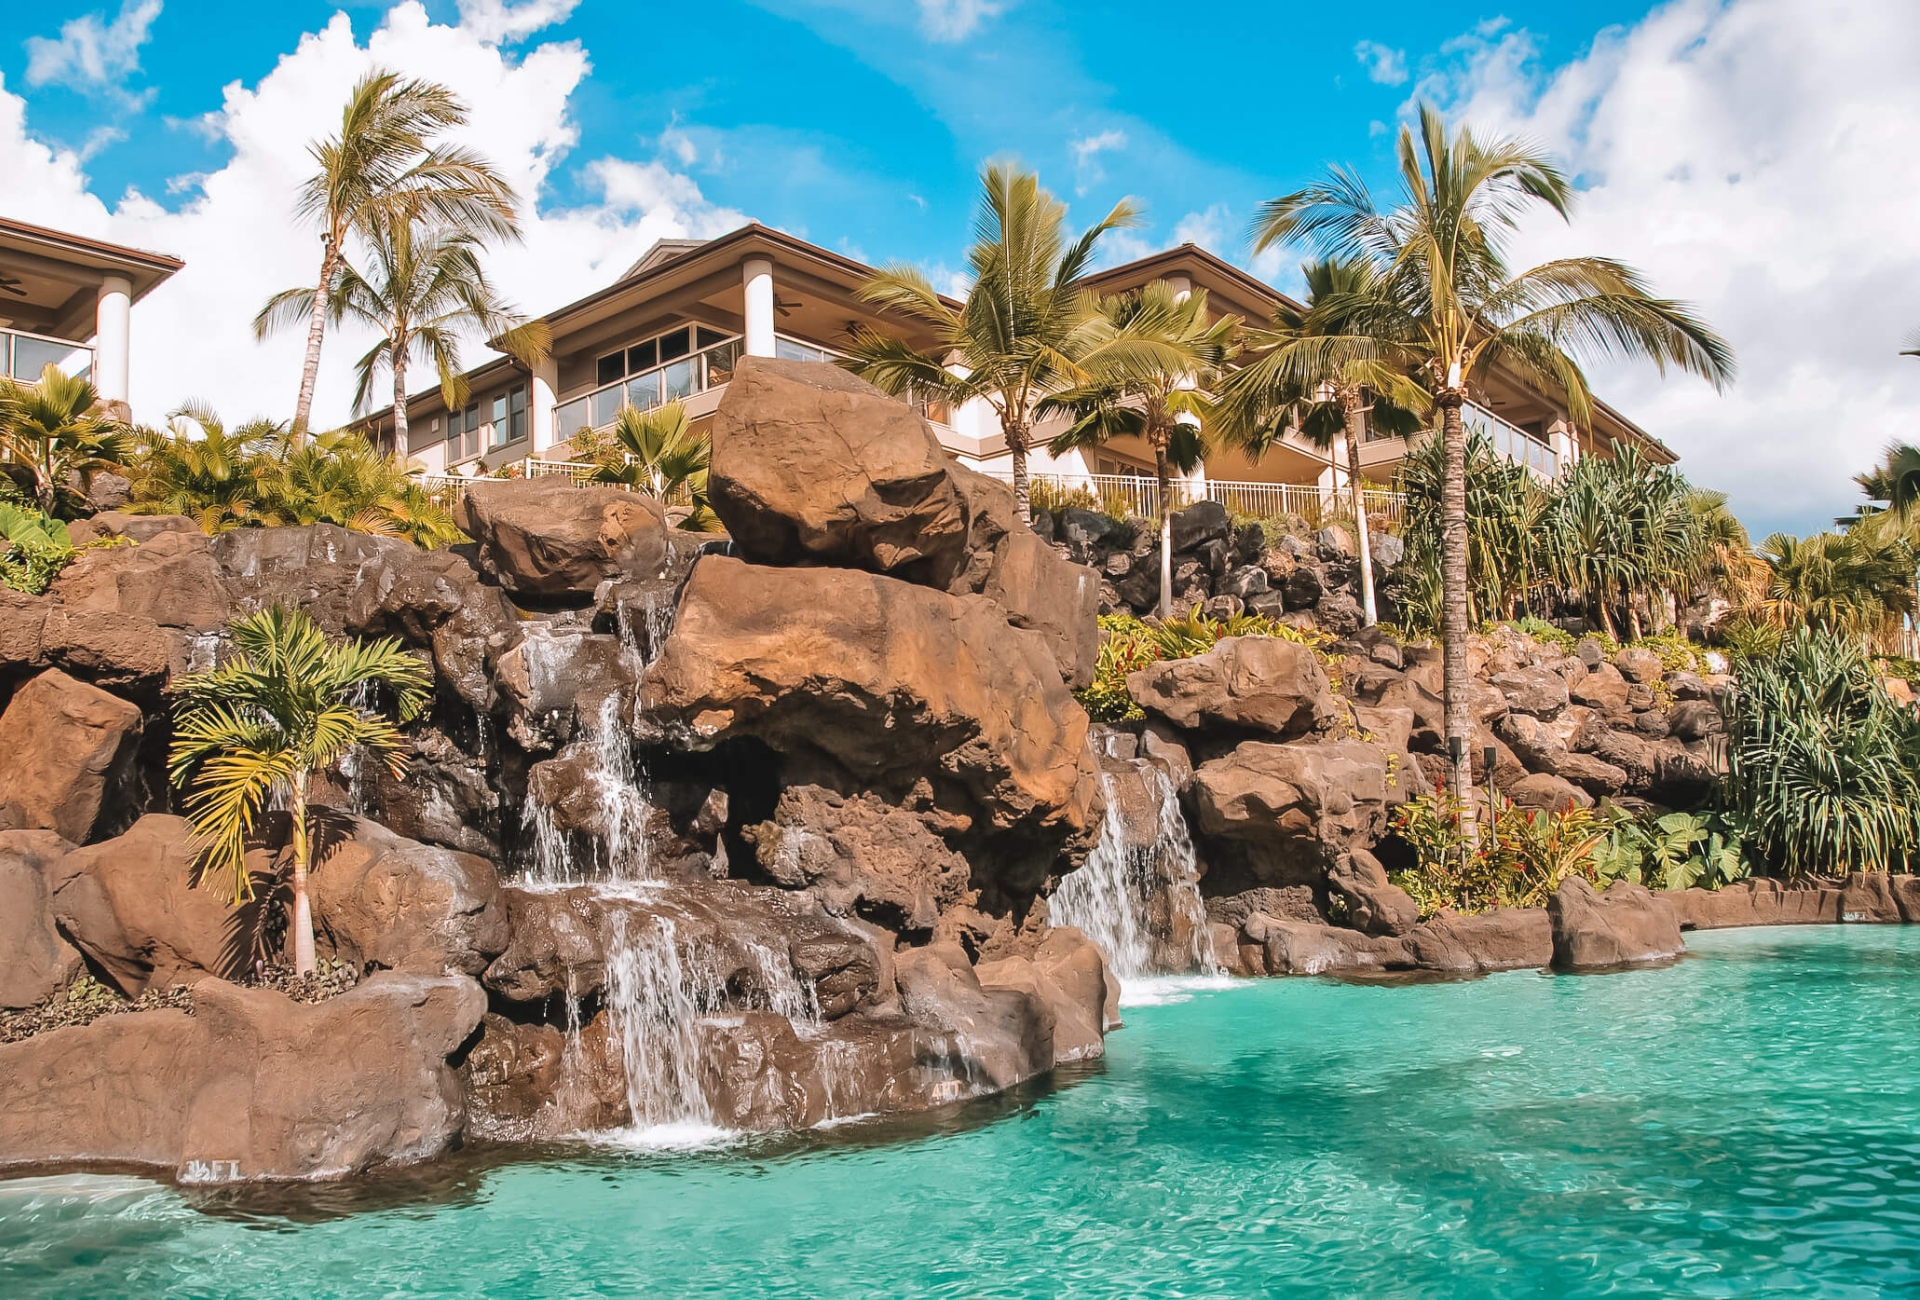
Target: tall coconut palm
<point>281,708</point>
<point>423,288</point>
<point>1148,376</point>
<point>1025,327</point>
<point>1450,295</point>
<point>1313,371</point>
<point>58,430</point>
<point>386,158</point>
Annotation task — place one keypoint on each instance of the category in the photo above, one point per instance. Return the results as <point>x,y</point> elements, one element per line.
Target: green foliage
<point>283,705</point>
<point>1824,765</point>
<point>1128,645</point>
<point>1519,864</point>
<point>37,548</point>
<point>1507,553</point>
<point>655,452</point>
<point>1679,850</point>
<point>56,428</point>
<point>256,477</point>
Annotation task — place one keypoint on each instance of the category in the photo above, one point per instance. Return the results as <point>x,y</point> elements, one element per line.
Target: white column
<point>756,274</point>
<point>113,328</point>
<point>1565,444</point>
<point>546,379</point>
<point>1181,286</point>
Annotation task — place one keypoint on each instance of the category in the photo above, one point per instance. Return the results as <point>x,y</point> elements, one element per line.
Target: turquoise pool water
<point>1746,1123</point>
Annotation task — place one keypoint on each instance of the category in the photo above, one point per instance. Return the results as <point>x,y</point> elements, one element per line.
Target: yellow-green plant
<point>1128,645</point>
<point>283,706</point>
<point>57,429</point>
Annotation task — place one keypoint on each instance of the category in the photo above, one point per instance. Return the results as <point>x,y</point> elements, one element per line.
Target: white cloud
<point>502,22</point>
<point>90,54</point>
<point>1213,230</point>
<point>1750,157</point>
<point>955,20</point>
<point>1086,152</point>
<point>193,336</point>
<point>1383,63</point>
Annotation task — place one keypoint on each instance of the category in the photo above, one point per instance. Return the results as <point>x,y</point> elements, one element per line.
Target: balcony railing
<point>1513,442</point>
<point>1140,496</point>
<point>26,356</point>
<point>677,380</point>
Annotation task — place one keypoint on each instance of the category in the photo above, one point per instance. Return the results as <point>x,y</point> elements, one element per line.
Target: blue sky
<point>1749,155</point>
<point>863,125</point>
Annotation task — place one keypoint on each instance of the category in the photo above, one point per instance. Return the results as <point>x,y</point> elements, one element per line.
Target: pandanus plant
<point>286,704</point>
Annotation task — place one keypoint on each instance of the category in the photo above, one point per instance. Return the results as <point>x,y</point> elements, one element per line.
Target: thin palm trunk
<point>1163,478</point>
<point>1016,436</point>
<point>316,331</point>
<point>302,920</point>
<point>1455,626</point>
<point>1356,429</point>
<point>400,401</point>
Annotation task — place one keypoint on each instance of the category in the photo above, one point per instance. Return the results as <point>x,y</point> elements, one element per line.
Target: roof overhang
<point>60,276</point>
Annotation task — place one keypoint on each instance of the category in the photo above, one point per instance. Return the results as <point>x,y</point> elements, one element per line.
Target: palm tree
<point>384,160</point>
<point>1024,328</point>
<point>656,452</point>
<point>424,289</point>
<point>1316,373</point>
<point>340,478</point>
<point>1147,376</point>
<point>57,429</point>
<point>1450,297</point>
<point>260,725</point>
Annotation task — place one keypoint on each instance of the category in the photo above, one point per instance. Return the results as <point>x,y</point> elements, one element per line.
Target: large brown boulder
<point>812,465</point>
<point>1374,904</point>
<point>109,649</point>
<point>171,579</point>
<point>381,900</point>
<point>250,1086</point>
<point>998,1034</point>
<point>1626,926</point>
<point>1507,938</point>
<point>357,584</point>
<point>548,538</point>
<point>1244,685</point>
<point>129,903</point>
<point>1503,939</point>
<point>893,684</point>
<point>71,753</point>
<point>1293,810</point>
<point>35,961</point>
<point>1054,597</point>
<point>860,855</point>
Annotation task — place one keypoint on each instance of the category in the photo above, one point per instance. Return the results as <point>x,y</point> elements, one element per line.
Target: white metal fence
<point>1134,495</point>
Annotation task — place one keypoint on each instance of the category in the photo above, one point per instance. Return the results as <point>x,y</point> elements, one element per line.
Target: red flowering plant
<point>1522,856</point>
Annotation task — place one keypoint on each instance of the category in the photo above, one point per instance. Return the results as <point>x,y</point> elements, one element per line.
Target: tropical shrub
<point>287,703</point>
<point>1679,850</point>
<point>1128,645</point>
<point>37,548</point>
<point>1824,765</point>
<point>655,452</point>
<point>1529,853</point>
<point>56,429</point>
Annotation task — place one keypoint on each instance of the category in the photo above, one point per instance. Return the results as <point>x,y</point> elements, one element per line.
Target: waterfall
<point>656,1003</point>
<point>1133,899</point>
<point>617,785</point>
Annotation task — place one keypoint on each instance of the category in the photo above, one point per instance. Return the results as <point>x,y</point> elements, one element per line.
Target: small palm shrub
<point>655,452</point>
<point>286,703</point>
<point>1128,645</point>
<point>1824,765</point>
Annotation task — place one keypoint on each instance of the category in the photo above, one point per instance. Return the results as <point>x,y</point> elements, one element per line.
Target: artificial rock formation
<point>251,1085</point>
<point>70,752</point>
<point>1626,926</point>
<point>383,901</point>
<point>550,539</point>
<point>1247,685</point>
<point>36,962</point>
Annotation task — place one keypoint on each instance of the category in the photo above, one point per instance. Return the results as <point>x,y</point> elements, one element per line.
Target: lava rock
<point>1626,926</point>
<point>1248,684</point>
<point>35,961</point>
<point>72,752</point>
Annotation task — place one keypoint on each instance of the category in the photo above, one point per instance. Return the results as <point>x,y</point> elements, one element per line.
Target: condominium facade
<point>67,301</point>
<point>675,324</point>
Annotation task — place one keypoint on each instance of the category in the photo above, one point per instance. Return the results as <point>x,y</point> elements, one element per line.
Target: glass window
<point>643,356</point>
<point>611,368</point>
<point>643,393</point>
<point>570,418</point>
<point>706,338</point>
<point>788,350</point>
<point>498,422</point>
<point>516,415</point>
<point>676,344</point>
<point>606,405</point>
<point>469,432</point>
<point>32,356</point>
<point>720,363</point>
<point>679,379</point>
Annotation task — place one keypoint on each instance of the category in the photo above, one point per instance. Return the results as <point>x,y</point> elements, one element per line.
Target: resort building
<point>676,322</point>
<point>67,300</point>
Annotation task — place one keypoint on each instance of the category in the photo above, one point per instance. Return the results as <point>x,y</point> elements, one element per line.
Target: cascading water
<point>617,785</point>
<point>1141,902</point>
<point>656,1003</point>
